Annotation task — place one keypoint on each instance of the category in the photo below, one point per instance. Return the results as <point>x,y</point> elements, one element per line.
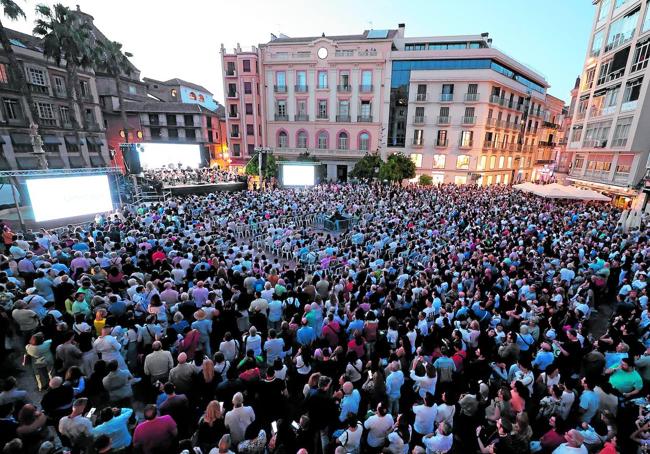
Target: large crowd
<point>448,319</point>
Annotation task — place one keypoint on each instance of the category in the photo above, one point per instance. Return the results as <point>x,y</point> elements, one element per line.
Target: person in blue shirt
<point>274,347</point>
<point>204,327</point>
<point>544,357</point>
<point>356,324</point>
<point>589,400</point>
<point>394,383</point>
<point>115,425</point>
<point>349,402</point>
<point>306,334</point>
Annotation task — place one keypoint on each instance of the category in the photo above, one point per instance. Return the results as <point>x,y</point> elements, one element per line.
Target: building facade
<point>462,110</point>
<point>609,136</point>
<point>73,137</point>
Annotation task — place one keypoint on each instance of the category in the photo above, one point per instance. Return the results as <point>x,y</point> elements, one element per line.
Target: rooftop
<point>166,107</point>
<point>366,35</point>
<point>178,82</point>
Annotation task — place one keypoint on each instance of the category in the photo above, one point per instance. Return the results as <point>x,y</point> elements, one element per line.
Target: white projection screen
<point>67,197</point>
<point>157,155</point>
<point>298,175</point>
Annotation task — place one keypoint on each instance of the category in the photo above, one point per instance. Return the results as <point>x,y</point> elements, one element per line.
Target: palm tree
<point>112,60</point>
<point>66,38</point>
<point>12,11</point>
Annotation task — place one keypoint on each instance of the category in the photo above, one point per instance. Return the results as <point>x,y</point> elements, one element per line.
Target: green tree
<point>367,167</point>
<point>397,168</point>
<point>269,170</point>
<point>12,12</point>
<point>67,38</point>
<point>111,60</point>
<point>426,180</point>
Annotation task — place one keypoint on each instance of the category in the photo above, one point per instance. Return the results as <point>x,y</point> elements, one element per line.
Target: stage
<point>187,189</point>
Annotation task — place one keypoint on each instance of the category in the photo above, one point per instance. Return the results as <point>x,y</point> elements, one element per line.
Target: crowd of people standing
<point>448,319</point>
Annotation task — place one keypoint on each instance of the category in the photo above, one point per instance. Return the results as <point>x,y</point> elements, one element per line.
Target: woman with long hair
<point>211,427</point>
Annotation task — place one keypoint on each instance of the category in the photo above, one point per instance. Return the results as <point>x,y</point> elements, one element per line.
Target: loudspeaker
<point>131,158</point>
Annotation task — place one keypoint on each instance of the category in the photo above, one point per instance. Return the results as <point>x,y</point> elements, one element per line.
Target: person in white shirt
<point>574,444</point>
<point>239,418</point>
<point>425,416</point>
<point>379,425</point>
<point>350,439</point>
<point>441,441</point>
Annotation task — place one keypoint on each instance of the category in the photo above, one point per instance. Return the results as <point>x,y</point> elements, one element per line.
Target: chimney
<point>400,30</point>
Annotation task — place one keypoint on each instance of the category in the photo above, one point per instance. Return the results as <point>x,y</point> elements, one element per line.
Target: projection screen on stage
<point>67,197</point>
<point>156,155</point>
<point>298,175</point>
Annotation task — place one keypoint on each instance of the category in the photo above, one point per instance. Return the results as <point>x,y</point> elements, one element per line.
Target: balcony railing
<point>279,117</point>
<point>488,144</point>
<point>343,119</point>
<point>60,93</point>
<point>231,73</point>
<point>301,117</point>
<point>92,126</point>
<point>594,143</point>
<point>446,97</point>
<point>619,142</point>
<point>419,97</point>
<point>321,87</point>
<point>39,89</point>
<point>366,88</point>
<point>47,121</point>
<point>280,88</point>
<point>444,119</point>
<point>231,94</point>
<point>471,97</point>
<point>442,143</point>
<point>234,134</point>
<point>496,99</point>
<point>418,120</point>
<point>418,143</point>
<point>320,152</point>
<point>364,118</point>
<point>469,120</point>
<point>300,88</point>
<point>621,177</point>
<point>344,88</point>
<point>491,123</point>
<point>544,144</point>
<point>233,114</point>
<point>550,125</point>
<point>322,116</point>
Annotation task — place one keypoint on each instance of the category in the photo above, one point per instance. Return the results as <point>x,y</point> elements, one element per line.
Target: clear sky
<point>182,39</point>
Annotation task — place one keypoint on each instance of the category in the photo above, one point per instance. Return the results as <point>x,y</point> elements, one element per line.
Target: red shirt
<point>158,256</point>
<point>155,436</point>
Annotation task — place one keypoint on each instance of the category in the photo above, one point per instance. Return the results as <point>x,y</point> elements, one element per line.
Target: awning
<point>51,140</point>
<point>71,140</point>
<point>558,191</point>
<point>21,139</point>
<point>625,159</point>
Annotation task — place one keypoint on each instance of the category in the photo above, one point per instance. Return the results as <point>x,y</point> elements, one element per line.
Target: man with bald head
<point>182,376</point>
<point>158,363</point>
<point>350,399</point>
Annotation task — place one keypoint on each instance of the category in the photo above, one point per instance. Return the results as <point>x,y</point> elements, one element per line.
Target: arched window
<point>283,140</point>
<point>322,140</point>
<point>201,98</point>
<point>192,96</point>
<point>343,142</point>
<point>364,141</point>
<point>301,139</point>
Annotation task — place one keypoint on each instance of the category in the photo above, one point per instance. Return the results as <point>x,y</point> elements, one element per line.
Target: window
<point>343,141</point>
<point>462,162</point>
<point>45,111</point>
<point>192,96</point>
<point>418,137</point>
<point>577,135</point>
<point>281,79</point>
<point>37,77</point>
<point>65,115</point>
<point>597,43</point>
<point>246,64</point>
<point>235,131</point>
<point>59,86</point>
<point>132,89</point>
<point>619,3</point>
<point>322,140</point>
<point>447,89</point>
<point>364,141</point>
<point>622,30</point>
<point>248,88</point>
<point>439,161</point>
<point>472,89</point>
<point>632,90</point>
<point>588,81</point>
<point>466,138</point>
<point>344,108</point>
<point>646,23</point>
<point>301,79</point>
<point>604,9</point>
<point>502,160</point>
<point>422,89</point>
<point>188,120</point>
<point>4,76</point>
<point>283,140</point>
<point>442,138</point>
<point>322,79</point>
<point>604,71</point>
<point>621,132</point>
<point>301,107</point>
<point>366,109</point>
<point>641,55</point>
<point>444,112</point>
<point>611,97</point>
<point>236,150</point>
<point>249,108</point>
<point>12,109</point>
<point>250,130</point>
<point>419,114</point>
<point>481,163</point>
<point>302,139</point>
<point>250,148</point>
<point>232,90</point>
<point>172,133</point>
<point>344,79</point>
<point>322,108</point>
<point>201,98</point>
<point>174,93</point>
<point>281,108</point>
<point>493,161</point>
<point>85,88</point>
<point>469,115</point>
<point>230,68</point>
<point>366,79</point>
<point>417,159</point>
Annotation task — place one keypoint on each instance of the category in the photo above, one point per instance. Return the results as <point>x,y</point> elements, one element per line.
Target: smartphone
<point>295,425</point>
<point>220,405</point>
<point>274,427</point>
<point>370,374</point>
<point>91,412</point>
